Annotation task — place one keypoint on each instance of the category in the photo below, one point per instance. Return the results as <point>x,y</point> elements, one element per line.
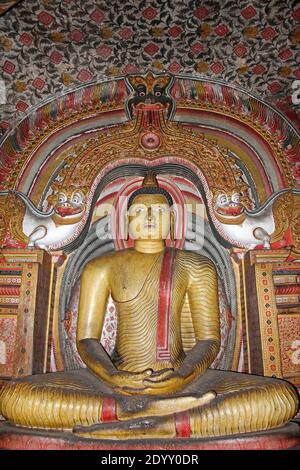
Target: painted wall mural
<point>50,47</point>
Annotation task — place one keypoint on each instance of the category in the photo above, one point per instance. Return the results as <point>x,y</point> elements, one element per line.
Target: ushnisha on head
<point>149,212</point>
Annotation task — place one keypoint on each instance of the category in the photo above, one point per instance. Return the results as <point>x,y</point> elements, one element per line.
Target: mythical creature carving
<point>263,226</point>
<point>28,224</point>
<point>150,89</point>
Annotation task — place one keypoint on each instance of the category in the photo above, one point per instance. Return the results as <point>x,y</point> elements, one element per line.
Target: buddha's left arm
<point>204,305</point>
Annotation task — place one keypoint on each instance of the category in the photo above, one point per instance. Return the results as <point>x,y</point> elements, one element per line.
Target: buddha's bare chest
<point>128,278</point>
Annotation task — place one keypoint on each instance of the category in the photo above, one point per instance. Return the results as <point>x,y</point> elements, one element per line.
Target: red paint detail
<point>197,48</point>
<point>45,18</point>
<point>149,13</point>
<point>217,67</point>
<point>175,31</point>
<point>234,211</point>
<point>130,68</point>
<point>151,48</point>
<point>26,39</point>
<point>38,83</point>
<point>285,54</point>
<point>76,35</point>
<point>21,106</point>
<point>258,69</point>
<point>175,67</point>
<point>274,87</point>
<point>56,57</point>
<point>281,290</point>
<point>97,15</point>
<point>248,12</point>
<point>109,411</point>
<point>221,30</point>
<point>126,33</point>
<point>84,75</point>
<point>65,211</point>
<point>104,51</point>
<point>164,305</point>
<point>9,290</point>
<point>182,424</point>
<point>150,141</point>
<point>8,67</point>
<point>201,12</point>
<point>240,50</point>
<point>296,14</point>
<point>269,33</point>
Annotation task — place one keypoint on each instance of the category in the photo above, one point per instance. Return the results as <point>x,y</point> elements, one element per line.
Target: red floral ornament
<point>126,33</point>
<point>45,18</point>
<point>201,12</point>
<point>248,12</point>
<point>149,13</point>
<point>151,48</point>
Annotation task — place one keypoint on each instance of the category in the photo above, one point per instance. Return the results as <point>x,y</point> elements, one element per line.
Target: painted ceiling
<point>49,47</point>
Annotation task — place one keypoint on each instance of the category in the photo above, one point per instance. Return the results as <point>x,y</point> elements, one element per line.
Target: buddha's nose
<point>149,214</point>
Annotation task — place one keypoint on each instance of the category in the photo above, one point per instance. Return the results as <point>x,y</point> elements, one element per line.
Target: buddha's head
<point>149,214</point>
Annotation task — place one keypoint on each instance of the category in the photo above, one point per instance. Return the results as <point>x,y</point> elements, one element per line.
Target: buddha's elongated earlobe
<point>126,226</point>
<point>172,225</point>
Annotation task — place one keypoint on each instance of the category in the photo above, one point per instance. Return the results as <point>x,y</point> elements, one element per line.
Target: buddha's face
<point>149,217</point>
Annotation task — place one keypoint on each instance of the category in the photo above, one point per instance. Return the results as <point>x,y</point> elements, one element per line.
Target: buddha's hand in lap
<point>129,383</point>
<point>169,383</point>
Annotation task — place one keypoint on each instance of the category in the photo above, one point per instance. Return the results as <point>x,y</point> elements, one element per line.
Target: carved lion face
<point>228,207</point>
<point>149,90</point>
<point>69,206</point>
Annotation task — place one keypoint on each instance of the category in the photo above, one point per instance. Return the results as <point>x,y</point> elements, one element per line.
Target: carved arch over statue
<point>222,139</point>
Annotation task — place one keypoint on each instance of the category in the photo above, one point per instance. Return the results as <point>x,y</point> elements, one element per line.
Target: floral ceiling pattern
<point>50,46</point>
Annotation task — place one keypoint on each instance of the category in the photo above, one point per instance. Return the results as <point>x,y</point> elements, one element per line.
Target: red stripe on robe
<point>164,306</point>
<point>182,424</point>
<point>109,412</point>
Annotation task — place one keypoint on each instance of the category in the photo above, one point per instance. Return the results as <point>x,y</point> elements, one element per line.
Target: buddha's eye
<point>139,210</point>
<point>159,209</point>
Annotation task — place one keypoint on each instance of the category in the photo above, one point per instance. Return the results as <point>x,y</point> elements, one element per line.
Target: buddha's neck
<point>149,246</point>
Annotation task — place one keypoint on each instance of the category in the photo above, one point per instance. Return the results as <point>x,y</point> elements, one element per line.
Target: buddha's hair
<point>150,190</point>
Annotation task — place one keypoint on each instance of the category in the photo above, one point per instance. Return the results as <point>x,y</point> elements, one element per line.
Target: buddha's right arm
<point>94,293</point>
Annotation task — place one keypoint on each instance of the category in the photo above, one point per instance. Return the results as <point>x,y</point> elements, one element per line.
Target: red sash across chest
<point>164,306</point>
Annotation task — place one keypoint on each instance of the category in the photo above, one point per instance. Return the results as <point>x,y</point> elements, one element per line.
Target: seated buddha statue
<point>149,387</point>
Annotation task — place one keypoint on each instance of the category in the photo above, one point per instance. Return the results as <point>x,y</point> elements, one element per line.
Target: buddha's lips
<point>230,210</point>
<point>65,211</point>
